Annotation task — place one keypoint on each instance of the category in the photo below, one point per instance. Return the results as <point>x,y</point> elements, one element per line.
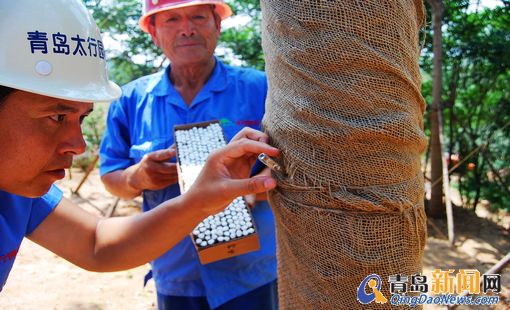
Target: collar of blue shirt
<point>217,82</point>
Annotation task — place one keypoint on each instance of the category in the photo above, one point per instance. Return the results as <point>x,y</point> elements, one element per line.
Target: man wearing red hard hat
<point>137,157</point>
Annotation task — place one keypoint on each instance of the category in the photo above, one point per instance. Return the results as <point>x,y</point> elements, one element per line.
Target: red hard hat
<point>151,7</point>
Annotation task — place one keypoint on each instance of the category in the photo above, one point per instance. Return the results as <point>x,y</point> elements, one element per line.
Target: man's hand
<point>226,174</point>
<point>154,171</point>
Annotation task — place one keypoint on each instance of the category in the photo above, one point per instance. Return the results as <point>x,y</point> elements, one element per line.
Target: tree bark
<point>436,208</point>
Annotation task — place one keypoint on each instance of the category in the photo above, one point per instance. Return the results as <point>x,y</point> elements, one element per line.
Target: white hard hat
<point>151,7</point>
<point>53,48</point>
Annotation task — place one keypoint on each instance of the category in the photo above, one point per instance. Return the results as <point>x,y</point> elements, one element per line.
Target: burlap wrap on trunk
<point>345,108</point>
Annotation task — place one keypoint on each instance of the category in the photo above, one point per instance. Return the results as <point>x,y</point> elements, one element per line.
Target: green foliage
<point>245,41</point>
<point>118,21</point>
<point>476,98</point>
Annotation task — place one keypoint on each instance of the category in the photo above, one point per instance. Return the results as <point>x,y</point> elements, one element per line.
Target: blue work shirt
<point>19,217</point>
<point>142,121</point>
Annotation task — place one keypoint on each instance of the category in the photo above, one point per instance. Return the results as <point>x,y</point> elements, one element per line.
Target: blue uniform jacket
<point>19,217</point>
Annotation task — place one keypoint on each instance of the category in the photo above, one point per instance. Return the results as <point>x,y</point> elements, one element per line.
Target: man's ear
<point>152,32</point>
<point>218,25</point>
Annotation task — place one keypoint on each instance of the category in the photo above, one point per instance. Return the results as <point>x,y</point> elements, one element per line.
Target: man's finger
<point>252,134</point>
<point>244,147</point>
<point>255,185</point>
<point>167,168</point>
<point>162,155</point>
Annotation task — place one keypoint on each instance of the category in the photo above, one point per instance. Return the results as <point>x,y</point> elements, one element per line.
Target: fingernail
<point>269,183</point>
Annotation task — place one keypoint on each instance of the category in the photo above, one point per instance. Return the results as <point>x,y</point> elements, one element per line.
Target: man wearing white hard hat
<point>52,69</point>
<point>137,158</point>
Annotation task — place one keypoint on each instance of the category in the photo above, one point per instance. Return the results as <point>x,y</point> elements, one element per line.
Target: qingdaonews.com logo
<point>466,287</point>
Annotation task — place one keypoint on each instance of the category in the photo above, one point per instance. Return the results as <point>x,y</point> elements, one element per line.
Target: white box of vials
<point>231,232</point>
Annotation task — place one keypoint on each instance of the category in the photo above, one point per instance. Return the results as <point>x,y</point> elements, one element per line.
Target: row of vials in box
<point>233,222</point>
<point>193,147</point>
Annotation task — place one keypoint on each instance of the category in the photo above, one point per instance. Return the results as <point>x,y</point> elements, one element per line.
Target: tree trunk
<point>436,208</point>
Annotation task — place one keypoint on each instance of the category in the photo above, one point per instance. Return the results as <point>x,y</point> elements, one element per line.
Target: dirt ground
<point>41,280</point>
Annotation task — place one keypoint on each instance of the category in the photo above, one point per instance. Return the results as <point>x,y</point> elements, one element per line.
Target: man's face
<point>38,136</point>
<point>187,35</point>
